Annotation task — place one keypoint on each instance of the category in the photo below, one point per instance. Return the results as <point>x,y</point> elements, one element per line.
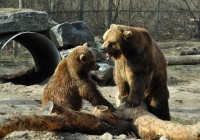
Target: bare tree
<point>170,21</point>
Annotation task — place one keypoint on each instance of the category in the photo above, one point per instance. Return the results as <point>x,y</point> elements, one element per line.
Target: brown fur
<point>140,68</point>
<point>71,81</point>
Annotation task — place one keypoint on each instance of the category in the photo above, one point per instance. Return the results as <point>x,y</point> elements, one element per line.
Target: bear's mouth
<point>108,56</point>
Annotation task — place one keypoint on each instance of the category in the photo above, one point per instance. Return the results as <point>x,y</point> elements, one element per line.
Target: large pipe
<point>44,52</point>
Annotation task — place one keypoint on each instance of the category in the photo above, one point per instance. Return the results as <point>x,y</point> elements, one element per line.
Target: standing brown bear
<point>72,81</point>
<point>140,68</point>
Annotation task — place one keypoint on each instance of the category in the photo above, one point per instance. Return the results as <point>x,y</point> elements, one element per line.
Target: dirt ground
<point>183,84</point>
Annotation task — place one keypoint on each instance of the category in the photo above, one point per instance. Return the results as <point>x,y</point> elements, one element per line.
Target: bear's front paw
<point>132,103</point>
<point>120,100</point>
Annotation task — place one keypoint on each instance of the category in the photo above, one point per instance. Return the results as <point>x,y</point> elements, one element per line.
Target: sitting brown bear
<point>72,81</point>
<point>140,68</point>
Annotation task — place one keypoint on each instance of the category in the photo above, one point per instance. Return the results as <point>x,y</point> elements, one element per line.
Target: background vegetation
<point>165,19</point>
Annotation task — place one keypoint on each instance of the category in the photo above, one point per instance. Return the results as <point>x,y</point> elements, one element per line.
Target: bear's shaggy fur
<point>140,68</point>
<point>72,82</point>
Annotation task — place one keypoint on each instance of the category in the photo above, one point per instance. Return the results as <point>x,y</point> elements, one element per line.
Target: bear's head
<point>114,40</point>
<point>83,59</point>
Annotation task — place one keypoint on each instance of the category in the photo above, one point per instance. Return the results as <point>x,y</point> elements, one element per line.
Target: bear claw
<point>127,104</point>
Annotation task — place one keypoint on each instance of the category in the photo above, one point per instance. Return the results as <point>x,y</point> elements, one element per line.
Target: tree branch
<point>190,11</point>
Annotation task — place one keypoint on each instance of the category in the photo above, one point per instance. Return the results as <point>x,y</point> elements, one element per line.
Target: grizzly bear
<point>140,68</point>
<point>72,82</point>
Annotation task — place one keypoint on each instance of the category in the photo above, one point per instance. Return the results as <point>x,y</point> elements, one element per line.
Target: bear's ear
<point>127,34</point>
<point>112,25</point>
<point>82,57</point>
<point>86,44</point>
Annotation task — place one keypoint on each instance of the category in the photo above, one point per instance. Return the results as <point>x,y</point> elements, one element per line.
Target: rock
<point>122,137</point>
<point>98,55</point>
<point>98,39</point>
<point>19,134</point>
<point>82,137</point>
<point>95,46</point>
<point>163,138</point>
<point>65,53</point>
<point>69,35</point>
<point>16,20</point>
<point>106,136</point>
<point>105,72</point>
<point>51,23</point>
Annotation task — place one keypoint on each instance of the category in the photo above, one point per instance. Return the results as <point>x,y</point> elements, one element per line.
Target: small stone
<point>122,136</point>
<point>82,137</point>
<point>106,136</point>
<point>93,137</point>
<point>19,134</point>
<point>163,138</point>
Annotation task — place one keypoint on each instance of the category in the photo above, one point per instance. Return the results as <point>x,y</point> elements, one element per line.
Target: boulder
<point>105,72</point>
<point>98,55</point>
<point>51,23</point>
<point>94,47</point>
<point>98,39</point>
<point>17,20</point>
<point>68,35</point>
<point>65,53</point>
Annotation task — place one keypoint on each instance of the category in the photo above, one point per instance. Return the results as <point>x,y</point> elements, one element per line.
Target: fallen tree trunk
<point>183,60</point>
<point>150,127</point>
<point>144,124</point>
<point>64,119</point>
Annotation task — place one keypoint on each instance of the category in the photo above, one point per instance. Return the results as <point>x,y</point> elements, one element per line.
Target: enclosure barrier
<point>43,51</point>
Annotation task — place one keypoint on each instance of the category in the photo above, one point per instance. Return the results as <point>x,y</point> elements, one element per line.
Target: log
<point>142,123</point>
<point>64,119</point>
<point>183,60</point>
<point>150,127</point>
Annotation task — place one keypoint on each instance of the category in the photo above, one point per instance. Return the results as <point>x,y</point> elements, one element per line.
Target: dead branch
<point>183,60</point>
